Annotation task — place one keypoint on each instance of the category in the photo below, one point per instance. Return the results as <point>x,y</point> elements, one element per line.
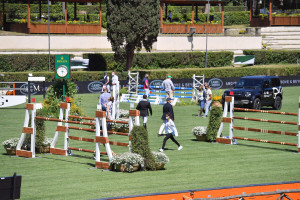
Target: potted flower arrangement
<point>127,162</point>
<point>45,148</point>
<point>200,132</point>
<point>160,159</point>
<point>10,145</point>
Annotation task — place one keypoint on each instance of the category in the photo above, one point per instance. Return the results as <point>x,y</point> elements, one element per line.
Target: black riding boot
<point>145,125</point>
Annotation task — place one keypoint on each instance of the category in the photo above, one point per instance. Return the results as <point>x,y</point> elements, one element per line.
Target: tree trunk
<point>129,61</point>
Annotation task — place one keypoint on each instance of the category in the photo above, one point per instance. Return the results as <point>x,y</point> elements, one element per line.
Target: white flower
<point>160,157</point>
<point>11,143</point>
<point>199,130</point>
<point>128,159</point>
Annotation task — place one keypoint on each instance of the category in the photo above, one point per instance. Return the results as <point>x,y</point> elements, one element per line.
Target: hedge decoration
<point>140,145</point>
<point>214,121</point>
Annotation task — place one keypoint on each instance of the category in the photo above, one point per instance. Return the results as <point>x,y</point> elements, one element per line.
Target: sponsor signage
<point>156,84</point>
<point>215,83</point>
<point>95,87</point>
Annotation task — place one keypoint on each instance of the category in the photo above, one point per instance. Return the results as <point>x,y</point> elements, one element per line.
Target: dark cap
<point>168,99</point>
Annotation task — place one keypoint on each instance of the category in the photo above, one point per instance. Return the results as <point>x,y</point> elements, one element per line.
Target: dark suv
<point>256,91</point>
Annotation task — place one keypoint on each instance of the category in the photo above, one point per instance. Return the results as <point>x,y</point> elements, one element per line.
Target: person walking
<point>167,108</point>
<point>143,106</point>
<point>201,96</point>
<point>170,133</point>
<point>103,99</point>
<point>146,85</point>
<point>106,81</point>
<point>168,86</point>
<point>208,99</point>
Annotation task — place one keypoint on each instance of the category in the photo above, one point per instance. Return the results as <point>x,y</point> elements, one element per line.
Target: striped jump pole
<point>226,119</point>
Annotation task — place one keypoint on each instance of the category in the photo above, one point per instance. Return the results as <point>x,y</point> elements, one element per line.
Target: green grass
<point>198,165</point>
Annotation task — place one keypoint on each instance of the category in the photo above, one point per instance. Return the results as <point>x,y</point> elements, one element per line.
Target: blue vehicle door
<point>267,92</point>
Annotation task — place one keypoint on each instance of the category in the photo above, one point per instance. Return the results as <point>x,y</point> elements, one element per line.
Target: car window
<point>249,83</point>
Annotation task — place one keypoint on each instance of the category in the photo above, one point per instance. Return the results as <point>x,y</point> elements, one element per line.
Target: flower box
<point>122,168</point>
<point>10,151</point>
<point>201,137</point>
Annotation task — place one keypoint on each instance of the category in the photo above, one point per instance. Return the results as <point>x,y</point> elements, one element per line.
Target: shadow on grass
<point>269,148</point>
<point>77,162</point>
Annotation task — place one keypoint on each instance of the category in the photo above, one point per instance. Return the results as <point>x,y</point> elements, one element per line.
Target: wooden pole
<point>66,18</point>
<point>40,9</point>
<point>222,14</point>
<point>28,15</point>
<point>100,14</point>
<point>75,10</point>
<point>250,10</point>
<point>161,15</point>
<point>270,12</point>
<point>193,14</point>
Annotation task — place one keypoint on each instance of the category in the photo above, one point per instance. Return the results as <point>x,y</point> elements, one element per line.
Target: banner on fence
<point>96,86</point>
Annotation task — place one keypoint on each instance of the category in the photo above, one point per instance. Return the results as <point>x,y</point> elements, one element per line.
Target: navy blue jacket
<point>168,108</point>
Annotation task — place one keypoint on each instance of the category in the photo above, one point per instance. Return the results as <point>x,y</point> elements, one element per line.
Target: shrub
<point>161,60</point>
<point>274,56</point>
<point>214,122</point>
<point>140,145</point>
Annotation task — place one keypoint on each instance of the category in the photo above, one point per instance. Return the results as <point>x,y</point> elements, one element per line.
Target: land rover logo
<point>156,85</point>
<point>215,83</point>
<point>95,87</point>
<point>33,89</point>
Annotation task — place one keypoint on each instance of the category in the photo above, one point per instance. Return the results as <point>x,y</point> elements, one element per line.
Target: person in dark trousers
<point>143,106</point>
<point>171,131</point>
<point>168,108</point>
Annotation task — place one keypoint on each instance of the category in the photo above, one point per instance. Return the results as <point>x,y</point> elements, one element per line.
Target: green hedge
<point>162,60</point>
<point>282,70</point>
<point>274,56</point>
<point>26,62</point>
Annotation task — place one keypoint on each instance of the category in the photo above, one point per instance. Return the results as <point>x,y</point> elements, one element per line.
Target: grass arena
<point>198,165</point>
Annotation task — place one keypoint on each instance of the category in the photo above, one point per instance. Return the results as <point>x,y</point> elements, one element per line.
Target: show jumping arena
<point>230,120</point>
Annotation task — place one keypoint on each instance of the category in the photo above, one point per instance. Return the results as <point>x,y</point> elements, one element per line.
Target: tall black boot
<point>145,125</point>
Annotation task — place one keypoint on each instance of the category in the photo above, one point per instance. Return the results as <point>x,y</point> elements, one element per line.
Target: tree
<point>131,25</point>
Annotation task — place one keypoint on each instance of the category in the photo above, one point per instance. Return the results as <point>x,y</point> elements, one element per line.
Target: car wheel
<point>256,104</point>
<point>277,103</point>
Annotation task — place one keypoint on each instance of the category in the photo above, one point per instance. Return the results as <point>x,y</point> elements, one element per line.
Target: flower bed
<point>127,162</point>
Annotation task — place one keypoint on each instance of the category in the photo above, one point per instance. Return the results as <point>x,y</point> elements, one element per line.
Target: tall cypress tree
<point>131,25</point>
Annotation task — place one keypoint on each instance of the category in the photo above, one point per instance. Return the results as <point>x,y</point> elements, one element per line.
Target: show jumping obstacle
<point>230,119</point>
<point>134,97</point>
<point>100,130</point>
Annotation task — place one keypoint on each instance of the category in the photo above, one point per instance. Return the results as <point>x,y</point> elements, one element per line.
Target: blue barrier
<point>176,88</point>
<point>161,91</point>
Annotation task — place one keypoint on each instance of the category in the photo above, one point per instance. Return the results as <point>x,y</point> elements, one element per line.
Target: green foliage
<point>162,60</point>
<point>274,56</point>
<point>231,18</point>
<point>140,145</point>
<point>214,123</point>
<point>26,62</point>
<point>132,25</point>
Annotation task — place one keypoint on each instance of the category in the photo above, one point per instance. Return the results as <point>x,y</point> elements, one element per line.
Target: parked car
<point>256,91</point>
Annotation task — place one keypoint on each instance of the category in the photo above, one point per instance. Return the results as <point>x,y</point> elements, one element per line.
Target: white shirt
<point>208,94</point>
<point>114,79</point>
<point>171,127</point>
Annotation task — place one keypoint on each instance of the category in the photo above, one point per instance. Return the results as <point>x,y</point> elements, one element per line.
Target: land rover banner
<point>96,86</point>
